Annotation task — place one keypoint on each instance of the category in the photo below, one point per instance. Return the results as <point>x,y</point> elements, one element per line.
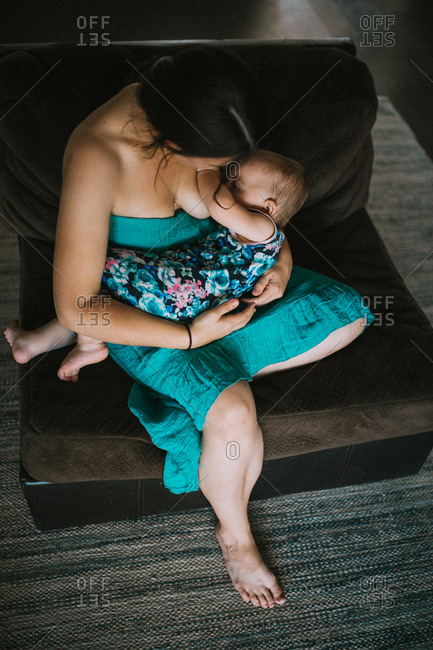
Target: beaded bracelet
<point>190,337</point>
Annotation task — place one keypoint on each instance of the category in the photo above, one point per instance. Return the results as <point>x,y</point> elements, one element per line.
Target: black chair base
<point>62,505</point>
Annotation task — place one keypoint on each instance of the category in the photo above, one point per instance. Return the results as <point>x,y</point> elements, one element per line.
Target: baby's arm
<point>254,226</point>
<point>272,284</point>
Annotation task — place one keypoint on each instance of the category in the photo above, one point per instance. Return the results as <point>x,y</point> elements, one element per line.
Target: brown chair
<point>363,414</point>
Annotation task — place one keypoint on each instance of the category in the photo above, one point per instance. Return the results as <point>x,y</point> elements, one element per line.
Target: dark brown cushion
<point>378,387</point>
<point>323,103</point>
<point>321,100</point>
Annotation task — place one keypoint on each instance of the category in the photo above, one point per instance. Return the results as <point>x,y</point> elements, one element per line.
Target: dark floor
<point>402,70</point>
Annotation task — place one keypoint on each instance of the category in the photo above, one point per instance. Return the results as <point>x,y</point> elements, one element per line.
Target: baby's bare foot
<point>82,355</point>
<point>20,342</point>
<point>26,345</point>
<point>250,576</point>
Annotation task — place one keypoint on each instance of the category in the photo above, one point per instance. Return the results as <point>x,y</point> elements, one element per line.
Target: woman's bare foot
<point>86,352</point>
<point>26,345</point>
<point>250,576</point>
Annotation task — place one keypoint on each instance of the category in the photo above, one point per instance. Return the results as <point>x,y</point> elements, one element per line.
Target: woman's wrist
<point>189,335</point>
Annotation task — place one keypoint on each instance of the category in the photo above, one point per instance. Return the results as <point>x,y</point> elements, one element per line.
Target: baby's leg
<point>86,352</point>
<point>26,345</point>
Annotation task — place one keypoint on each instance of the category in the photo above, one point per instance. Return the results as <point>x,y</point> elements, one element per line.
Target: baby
<point>184,281</point>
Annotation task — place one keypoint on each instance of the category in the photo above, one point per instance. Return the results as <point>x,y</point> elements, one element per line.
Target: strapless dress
<point>174,389</point>
<point>182,282</point>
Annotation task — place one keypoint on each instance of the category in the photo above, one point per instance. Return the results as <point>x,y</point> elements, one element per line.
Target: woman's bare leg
<point>335,341</point>
<point>230,463</point>
<point>26,345</point>
<point>226,480</point>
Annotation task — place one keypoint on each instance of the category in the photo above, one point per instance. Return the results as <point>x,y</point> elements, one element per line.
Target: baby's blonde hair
<point>288,182</point>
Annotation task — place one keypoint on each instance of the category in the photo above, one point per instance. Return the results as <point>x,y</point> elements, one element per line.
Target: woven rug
<point>355,562</point>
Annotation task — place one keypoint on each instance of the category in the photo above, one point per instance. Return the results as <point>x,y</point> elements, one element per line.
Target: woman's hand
<point>217,322</point>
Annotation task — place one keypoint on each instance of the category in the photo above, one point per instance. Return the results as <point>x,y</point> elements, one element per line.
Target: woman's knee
<point>233,410</point>
<point>336,340</point>
<point>351,331</point>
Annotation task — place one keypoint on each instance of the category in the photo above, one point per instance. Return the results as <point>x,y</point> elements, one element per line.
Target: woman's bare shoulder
<point>87,147</point>
<point>89,172</point>
<point>100,134</point>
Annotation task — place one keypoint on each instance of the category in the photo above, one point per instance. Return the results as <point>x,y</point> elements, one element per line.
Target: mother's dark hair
<point>202,98</point>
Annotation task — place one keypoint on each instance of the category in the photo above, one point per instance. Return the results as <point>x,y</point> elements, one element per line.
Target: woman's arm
<point>89,174</point>
<point>254,226</point>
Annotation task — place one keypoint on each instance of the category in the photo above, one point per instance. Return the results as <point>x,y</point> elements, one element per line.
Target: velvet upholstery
<point>378,387</point>
<point>330,138</point>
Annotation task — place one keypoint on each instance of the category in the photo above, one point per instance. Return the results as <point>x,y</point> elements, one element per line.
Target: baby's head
<point>271,182</point>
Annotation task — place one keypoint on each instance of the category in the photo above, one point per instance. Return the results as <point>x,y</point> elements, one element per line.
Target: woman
<point>127,168</point>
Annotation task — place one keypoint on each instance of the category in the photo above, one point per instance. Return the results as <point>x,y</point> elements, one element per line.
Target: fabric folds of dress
<point>174,389</point>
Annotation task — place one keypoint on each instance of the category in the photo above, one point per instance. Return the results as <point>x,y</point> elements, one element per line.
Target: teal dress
<point>174,389</point>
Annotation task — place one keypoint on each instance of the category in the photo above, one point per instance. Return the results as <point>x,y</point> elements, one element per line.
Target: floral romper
<point>182,282</point>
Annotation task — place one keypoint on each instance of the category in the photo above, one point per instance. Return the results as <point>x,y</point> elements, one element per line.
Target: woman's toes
<point>279,597</point>
<point>263,600</point>
<point>269,597</point>
<point>243,594</point>
<point>254,600</point>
